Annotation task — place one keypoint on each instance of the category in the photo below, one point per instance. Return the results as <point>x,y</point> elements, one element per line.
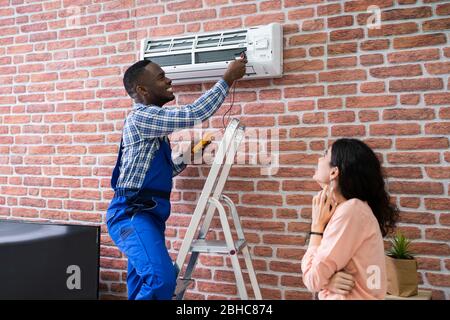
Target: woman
<point>350,216</point>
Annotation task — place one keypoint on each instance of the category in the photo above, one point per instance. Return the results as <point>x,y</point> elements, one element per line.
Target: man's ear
<point>141,91</point>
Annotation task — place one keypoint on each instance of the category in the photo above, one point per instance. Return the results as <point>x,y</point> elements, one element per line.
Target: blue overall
<point>136,223</point>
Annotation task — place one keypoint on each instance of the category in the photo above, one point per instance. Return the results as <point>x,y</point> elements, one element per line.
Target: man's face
<point>155,86</point>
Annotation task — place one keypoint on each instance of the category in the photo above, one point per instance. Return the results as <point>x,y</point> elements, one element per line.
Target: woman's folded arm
<point>343,235</point>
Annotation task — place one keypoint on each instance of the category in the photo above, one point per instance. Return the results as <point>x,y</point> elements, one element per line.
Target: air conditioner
<point>205,57</point>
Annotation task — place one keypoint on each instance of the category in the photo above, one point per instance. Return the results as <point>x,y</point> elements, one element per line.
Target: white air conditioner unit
<point>205,57</point>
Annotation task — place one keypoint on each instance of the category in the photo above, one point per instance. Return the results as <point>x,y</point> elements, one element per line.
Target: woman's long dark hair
<point>360,176</point>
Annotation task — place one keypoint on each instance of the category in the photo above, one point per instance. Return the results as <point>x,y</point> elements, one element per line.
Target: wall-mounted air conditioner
<point>205,57</point>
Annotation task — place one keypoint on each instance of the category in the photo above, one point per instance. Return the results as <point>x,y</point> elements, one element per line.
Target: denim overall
<point>136,223</point>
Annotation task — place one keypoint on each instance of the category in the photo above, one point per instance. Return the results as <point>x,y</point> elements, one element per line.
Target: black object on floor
<point>48,261</point>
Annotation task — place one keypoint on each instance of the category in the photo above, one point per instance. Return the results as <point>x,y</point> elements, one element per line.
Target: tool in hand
<point>205,141</point>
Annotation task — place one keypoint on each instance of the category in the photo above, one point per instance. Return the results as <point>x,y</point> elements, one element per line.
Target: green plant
<point>400,247</point>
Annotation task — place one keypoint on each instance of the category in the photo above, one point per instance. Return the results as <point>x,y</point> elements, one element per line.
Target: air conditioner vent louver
<point>208,41</point>
<point>159,46</point>
<point>182,44</point>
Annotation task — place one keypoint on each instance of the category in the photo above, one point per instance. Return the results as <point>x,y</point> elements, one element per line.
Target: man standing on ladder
<point>142,177</point>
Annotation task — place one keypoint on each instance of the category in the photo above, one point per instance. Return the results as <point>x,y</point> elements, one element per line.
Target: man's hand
<point>341,283</point>
<point>235,71</point>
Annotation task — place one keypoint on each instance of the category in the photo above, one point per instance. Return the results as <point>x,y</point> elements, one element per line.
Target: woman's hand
<point>341,283</point>
<point>323,207</point>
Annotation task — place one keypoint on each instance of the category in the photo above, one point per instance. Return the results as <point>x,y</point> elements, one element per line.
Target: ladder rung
<point>215,246</point>
<point>182,285</point>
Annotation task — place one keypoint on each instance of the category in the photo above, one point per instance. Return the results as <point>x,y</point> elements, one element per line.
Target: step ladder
<point>211,199</point>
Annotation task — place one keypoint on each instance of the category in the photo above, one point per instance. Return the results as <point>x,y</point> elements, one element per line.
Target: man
<point>142,177</point>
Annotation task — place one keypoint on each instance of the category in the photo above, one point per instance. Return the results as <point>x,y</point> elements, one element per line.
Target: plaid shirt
<point>146,125</point>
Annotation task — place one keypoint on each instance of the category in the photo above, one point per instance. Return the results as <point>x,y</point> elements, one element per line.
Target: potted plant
<point>401,268</point>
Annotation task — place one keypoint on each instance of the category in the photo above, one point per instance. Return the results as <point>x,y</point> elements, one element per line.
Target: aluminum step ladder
<point>211,199</point>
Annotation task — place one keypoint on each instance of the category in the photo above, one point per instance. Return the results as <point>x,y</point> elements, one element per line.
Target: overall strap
<point>116,171</point>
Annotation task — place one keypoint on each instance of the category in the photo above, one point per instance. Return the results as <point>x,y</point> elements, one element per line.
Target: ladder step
<point>182,285</point>
<point>215,246</point>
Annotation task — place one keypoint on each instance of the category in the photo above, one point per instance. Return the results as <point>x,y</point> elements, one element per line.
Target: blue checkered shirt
<point>147,124</point>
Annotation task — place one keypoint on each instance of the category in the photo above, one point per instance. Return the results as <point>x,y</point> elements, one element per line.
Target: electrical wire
<point>233,89</point>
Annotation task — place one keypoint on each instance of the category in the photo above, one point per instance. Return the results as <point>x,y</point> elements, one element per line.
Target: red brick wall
<point>62,106</point>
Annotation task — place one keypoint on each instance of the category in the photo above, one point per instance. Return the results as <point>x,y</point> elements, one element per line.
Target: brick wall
<point>62,107</point>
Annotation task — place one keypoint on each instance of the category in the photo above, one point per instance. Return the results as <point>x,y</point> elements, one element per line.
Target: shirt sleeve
<point>153,121</point>
<point>342,236</point>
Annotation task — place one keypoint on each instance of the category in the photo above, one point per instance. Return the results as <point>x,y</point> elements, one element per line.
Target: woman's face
<point>323,171</point>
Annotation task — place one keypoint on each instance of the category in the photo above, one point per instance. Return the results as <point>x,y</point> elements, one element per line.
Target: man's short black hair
<point>132,75</point>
